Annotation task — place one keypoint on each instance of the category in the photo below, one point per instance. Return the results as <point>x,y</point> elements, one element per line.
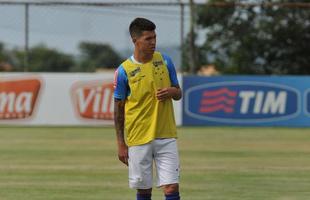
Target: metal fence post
<point>26,55</point>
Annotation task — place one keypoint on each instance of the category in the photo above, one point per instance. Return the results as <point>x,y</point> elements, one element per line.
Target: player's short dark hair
<point>138,25</point>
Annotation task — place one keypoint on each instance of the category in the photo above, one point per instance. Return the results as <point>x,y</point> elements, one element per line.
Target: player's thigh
<point>140,166</point>
<point>166,158</point>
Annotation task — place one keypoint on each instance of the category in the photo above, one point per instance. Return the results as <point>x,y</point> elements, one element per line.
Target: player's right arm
<point>119,119</point>
<point>120,95</point>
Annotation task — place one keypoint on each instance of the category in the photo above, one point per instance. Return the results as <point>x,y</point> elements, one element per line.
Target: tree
<point>5,60</point>
<point>255,39</point>
<point>95,55</point>
<point>3,54</point>
<point>43,59</point>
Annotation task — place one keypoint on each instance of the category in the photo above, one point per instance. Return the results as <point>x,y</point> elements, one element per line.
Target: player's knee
<point>171,188</point>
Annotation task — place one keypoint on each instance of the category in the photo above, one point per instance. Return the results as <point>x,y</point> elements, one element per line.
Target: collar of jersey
<point>134,60</point>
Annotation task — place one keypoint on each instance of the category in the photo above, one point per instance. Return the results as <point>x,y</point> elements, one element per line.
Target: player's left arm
<point>174,91</point>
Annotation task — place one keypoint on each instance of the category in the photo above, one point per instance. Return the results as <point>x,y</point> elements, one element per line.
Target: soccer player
<point>145,85</point>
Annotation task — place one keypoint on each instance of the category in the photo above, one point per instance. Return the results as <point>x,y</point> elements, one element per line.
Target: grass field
<point>216,164</point>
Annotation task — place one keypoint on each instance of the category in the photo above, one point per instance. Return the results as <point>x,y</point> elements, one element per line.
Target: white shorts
<point>164,153</point>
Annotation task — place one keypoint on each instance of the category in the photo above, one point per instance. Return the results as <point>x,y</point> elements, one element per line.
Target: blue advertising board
<point>246,100</point>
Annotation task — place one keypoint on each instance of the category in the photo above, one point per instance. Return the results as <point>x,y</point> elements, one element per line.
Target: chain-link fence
<point>66,35</point>
<point>232,37</point>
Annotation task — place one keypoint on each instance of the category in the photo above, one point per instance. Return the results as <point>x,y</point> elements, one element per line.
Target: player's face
<point>146,42</point>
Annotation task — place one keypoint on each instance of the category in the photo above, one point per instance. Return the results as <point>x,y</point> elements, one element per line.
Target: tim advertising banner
<point>246,100</point>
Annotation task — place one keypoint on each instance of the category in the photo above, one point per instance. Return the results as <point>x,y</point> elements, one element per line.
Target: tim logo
<point>307,102</point>
<point>93,100</point>
<point>242,102</point>
<point>18,98</point>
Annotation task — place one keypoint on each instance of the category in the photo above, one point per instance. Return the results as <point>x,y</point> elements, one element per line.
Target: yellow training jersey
<point>146,118</point>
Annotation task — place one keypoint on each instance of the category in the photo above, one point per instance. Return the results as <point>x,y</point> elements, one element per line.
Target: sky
<point>64,27</point>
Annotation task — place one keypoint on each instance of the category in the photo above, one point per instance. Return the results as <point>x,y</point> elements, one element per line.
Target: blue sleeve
<point>120,83</point>
<point>171,69</point>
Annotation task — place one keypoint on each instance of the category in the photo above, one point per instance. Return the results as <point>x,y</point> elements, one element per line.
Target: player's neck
<point>142,57</point>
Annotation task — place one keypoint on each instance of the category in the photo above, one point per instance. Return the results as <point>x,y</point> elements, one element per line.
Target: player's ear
<point>134,40</point>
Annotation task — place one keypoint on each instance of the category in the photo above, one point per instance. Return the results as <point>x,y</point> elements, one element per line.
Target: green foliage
<point>185,56</point>
<point>95,56</point>
<point>4,54</point>
<point>44,59</point>
<point>256,40</point>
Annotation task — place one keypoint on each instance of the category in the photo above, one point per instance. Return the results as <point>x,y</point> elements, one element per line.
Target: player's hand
<point>163,94</point>
<point>123,153</point>
<point>169,92</point>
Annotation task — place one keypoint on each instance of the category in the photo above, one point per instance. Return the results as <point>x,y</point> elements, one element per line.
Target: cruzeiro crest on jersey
<point>157,63</point>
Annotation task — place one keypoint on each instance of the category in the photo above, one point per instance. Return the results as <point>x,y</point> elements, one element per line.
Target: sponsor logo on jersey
<point>242,102</point>
<point>93,100</point>
<point>18,98</point>
<point>135,71</point>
